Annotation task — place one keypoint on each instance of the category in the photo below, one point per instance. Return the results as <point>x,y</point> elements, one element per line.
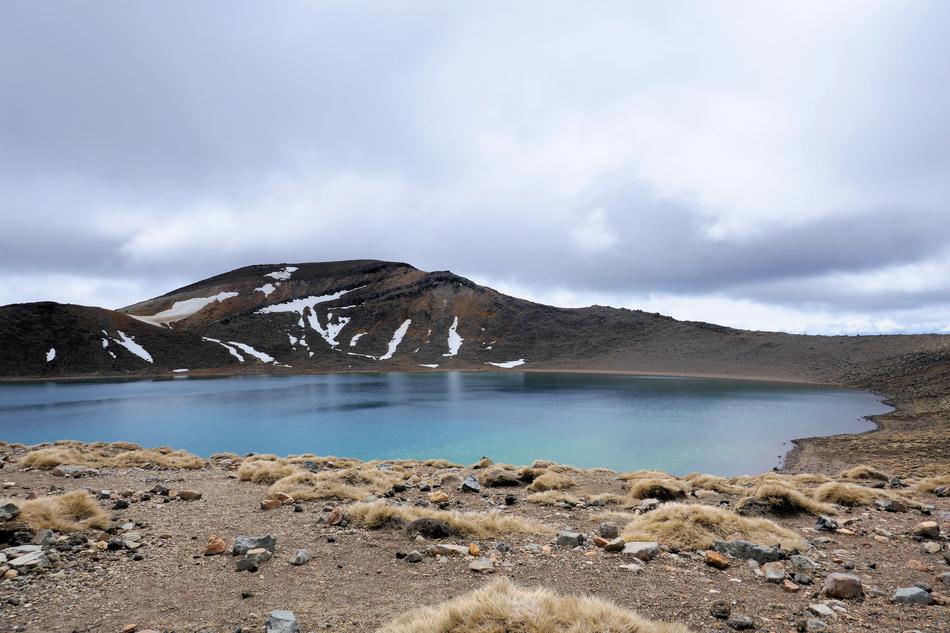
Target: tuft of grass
<point>721,485</point>
<point>862,471</point>
<point>551,481</point>
<point>71,512</point>
<point>117,455</point>
<point>781,500</point>
<point>263,471</point>
<point>846,494</point>
<point>503,607</point>
<point>930,483</point>
<point>662,489</point>
<point>691,527</point>
<point>552,498</point>
<point>307,486</point>
<point>643,474</point>
<point>379,514</point>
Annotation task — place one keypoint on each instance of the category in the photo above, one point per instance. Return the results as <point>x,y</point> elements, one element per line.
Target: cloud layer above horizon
<point>781,165</point>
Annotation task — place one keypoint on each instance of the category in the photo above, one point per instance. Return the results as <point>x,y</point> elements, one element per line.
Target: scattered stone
<point>825,523</point>
<point>130,628</point>
<point>30,561</point>
<point>800,562</point>
<point>9,511</point>
<point>482,566</point>
<point>336,517</point>
<point>644,550</point>
<point>70,470</point>
<point>470,484</point>
<point>615,545</point>
<point>632,567</point>
<point>281,622</point>
<point>414,557</point>
<point>120,504</point>
<point>842,586</point>
<point>300,557</point>
<point>927,529</point>
<point>715,559</point>
<point>44,537</point>
<point>431,528</point>
<point>648,505</point>
<point>270,504</point>
<point>912,595</point>
<point>822,610</point>
<point>473,550</point>
<point>216,545</point>
<point>449,550</point>
<point>813,625</point>
<point>746,550</point>
<point>570,539</point>
<point>510,500</point>
<point>890,505</point>
<point>608,530</point>
<point>243,544</point>
<point>932,547</point>
<point>439,496</point>
<point>189,495</point>
<point>790,586</point>
<point>774,571</point>
<point>802,579</point>
<point>740,623</point>
<point>721,609</point>
<point>258,556</point>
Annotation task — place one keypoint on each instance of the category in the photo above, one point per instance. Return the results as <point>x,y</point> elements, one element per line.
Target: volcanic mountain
<point>381,316</point>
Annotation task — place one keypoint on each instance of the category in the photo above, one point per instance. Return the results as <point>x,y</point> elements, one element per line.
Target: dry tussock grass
<point>644,474</point>
<point>72,512</point>
<point>721,485</point>
<point>349,483</point>
<point>691,527</point>
<point>118,455</point>
<point>607,499</point>
<point>846,494</point>
<point>552,498</point>
<point>781,500</point>
<point>551,481</point>
<point>662,489</point>
<point>862,471</point>
<point>502,607</point>
<point>379,514</point>
<point>263,471</point>
<point>927,485</point>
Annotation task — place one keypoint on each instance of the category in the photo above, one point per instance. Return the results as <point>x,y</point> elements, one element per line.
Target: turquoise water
<point>726,427</point>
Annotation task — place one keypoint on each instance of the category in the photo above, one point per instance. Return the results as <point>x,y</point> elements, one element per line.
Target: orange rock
<point>216,545</point>
<point>715,559</point>
<point>473,550</point>
<point>270,504</point>
<point>439,496</point>
<point>284,498</point>
<point>789,586</point>
<point>600,541</point>
<point>336,517</point>
<point>130,628</point>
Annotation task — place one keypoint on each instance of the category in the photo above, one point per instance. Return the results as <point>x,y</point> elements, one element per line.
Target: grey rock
<point>70,470</point>
<point>721,609</point>
<point>30,561</point>
<point>814,625</point>
<point>449,550</point>
<point>912,595</point>
<point>944,577</point>
<point>470,484</point>
<point>244,543</point>
<point>570,539</point>
<point>825,523</point>
<point>890,505</point>
<point>648,505</point>
<point>300,557</point>
<point>747,550</point>
<point>632,567</point>
<point>20,550</point>
<point>482,566</point>
<point>44,537</point>
<point>800,562</point>
<point>740,623</point>
<point>608,530</point>
<point>644,550</point>
<point>281,622</point>
<point>842,586</point>
<point>822,610</point>
<point>414,557</point>
<point>803,579</point>
<point>774,571</point>
<point>9,511</point>
<point>258,556</point>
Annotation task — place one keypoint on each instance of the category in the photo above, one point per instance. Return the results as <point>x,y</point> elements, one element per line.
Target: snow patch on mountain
<point>355,338</point>
<point>247,349</point>
<point>508,364</point>
<point>183,309</point>
<point>396,339</point>
<point>283,274</point>
<point>230,349</point>
<point>455,341</point>
<point>266,289</point>
<point>129,343</point>
<point>51,354</point>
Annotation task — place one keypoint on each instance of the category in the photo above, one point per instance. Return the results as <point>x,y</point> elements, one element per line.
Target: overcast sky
<point>759,164</point>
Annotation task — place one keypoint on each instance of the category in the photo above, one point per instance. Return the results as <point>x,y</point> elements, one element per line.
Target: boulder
<point>243,544</point>
<point>470,484</point>
<point>300,557</point>
<point>431,528</point>
<point>9,511</point>
<point>746,550</point>
<point>648,505</point>
<point>570,539</point>
<point>927,529</point>
<point>842,587</point>
<point>912,595</point>
<point>281,622</point>
<point>644,550</point>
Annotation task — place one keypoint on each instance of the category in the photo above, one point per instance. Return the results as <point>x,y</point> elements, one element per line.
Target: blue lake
<point>725,427</point>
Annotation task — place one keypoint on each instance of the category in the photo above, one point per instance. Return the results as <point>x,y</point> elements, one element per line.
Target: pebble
<point>632,567</point>
<point>721,609</point>
<point>300,557</point>
<point>774,571</point>
<point>740,623</point>
<point>216,545</point>
<point>414,557</point>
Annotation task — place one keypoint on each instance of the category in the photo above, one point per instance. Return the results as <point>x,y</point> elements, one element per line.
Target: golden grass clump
<point>721,485</point>
<point>551,481</point>
<point>379,514</point>
<point>662,489</point>
<point>71,512</point>
<point>691,527</point>
<point>846,494</point>
<point>503,607</point>
<point>552,498</point>
<point>118,454</point>
<point>781,500</point>
<point>930,483</point>
<point>262,471</point>
<point>643,474</point>
<point>864,472</point>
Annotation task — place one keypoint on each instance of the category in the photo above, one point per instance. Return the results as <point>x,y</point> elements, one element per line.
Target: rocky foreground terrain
<point>118,538</point>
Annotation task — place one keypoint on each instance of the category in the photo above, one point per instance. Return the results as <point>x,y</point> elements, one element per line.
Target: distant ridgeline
<point>383,316</point>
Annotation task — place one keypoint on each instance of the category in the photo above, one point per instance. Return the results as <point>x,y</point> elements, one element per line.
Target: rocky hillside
<point>368,314</point>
